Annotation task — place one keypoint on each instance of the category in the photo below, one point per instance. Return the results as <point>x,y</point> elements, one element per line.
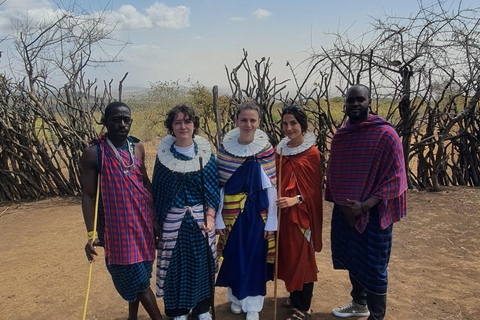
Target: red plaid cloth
<point>128,208</point>
<point>366,160</point>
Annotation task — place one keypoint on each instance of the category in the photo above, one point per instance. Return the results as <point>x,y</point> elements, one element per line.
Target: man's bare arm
<point>88,163</point>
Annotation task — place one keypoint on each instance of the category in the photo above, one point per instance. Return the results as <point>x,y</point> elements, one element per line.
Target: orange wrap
<point>301,174</point>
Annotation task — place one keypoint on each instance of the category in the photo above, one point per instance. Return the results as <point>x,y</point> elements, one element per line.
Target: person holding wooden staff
<point>185,266</point>
<point>300,231</point>
<point>125,200</point>
<point>248,218</point>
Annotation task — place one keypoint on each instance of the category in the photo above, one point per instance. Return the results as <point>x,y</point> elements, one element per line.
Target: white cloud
<point>14,17</point>
<point>237,19</point>
<point>26,4</point>
<point>169,17</point>
<point>130,18</point>
<point>159,15</point>
<point>262,14</point>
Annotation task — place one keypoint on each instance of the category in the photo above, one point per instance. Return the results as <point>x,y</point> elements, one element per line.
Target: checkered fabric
<point>128,209</point>
<point>187,276</point>
<point>183,265</point>
<point>367,260</point>
<point>175,189</point>
<point>130,279</point>
<point>170,233</point>
<point>366,160</point>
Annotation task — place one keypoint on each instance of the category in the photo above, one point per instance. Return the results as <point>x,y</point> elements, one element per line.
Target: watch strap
<point>300,199</point>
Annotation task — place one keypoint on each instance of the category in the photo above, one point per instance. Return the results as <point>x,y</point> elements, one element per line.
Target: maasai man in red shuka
<point>125,222</point>
<point>367,182</point>
<point>300,231</point>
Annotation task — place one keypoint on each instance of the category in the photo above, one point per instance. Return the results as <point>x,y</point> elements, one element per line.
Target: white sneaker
<point>235,308</point>
<point>252,315</point>
<point>205,316</point>
<point>184,317</point>
<point>351,310</point>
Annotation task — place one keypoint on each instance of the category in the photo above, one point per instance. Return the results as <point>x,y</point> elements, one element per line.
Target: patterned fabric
<point>130,279</point>
<point>228,164</point>
<point>127,204</point>
<point>232,205</point>
<point>174,189</point>
<point>300,225</point>
<point>182,266</point>
<point>366,160</point>
<point>365,255</point>
<point>101,215</point>
<point>244,268</point>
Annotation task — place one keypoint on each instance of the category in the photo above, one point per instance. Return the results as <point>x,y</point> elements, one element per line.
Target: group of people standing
<point>195,195</point>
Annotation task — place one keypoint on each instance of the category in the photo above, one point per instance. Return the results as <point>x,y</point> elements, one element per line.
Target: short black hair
<point>187,111</point>
<point>299,114</point>
<point>109,108</point>
<point>361,86</point>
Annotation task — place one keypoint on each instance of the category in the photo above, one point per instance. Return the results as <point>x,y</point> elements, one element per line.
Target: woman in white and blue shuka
<point>184,266</point>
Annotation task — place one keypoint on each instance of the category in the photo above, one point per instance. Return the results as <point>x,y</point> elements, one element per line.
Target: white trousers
<point>250,303</point>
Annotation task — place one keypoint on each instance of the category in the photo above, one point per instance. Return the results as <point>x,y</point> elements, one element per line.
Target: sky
<point>177,40</point>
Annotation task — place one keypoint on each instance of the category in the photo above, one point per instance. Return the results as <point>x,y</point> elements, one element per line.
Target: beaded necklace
<point>126,168</point>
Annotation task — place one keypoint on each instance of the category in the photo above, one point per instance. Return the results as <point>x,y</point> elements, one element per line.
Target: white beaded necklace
<point>126,168</point>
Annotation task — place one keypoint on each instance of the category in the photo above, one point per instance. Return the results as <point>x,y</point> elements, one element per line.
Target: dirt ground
<point>434,270</point>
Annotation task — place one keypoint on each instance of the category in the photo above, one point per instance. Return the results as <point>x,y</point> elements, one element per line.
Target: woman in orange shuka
<point>300,232</point>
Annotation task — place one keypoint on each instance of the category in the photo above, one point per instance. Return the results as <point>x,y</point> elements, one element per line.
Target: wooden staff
<point>217,117</point>
<point>209,253</point>
<point>279,213</point>
<point>94,233</point>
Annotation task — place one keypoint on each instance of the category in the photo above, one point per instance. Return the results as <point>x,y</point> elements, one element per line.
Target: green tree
<point>152,106</point>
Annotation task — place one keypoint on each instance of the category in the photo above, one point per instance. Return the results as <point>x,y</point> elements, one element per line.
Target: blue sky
<point>196,39</point>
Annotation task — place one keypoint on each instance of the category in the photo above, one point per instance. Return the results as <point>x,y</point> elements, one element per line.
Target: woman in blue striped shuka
<point>183,276</point>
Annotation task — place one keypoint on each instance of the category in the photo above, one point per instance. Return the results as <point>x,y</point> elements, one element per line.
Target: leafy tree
<point>152,106</point>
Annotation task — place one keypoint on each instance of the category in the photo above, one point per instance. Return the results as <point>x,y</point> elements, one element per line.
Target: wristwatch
<point>300,199</point>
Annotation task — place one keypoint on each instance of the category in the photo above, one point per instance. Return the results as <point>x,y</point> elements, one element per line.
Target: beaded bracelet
<point>92,236</point>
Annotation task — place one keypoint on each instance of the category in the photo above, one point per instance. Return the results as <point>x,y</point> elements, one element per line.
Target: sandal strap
<point>299,315</point>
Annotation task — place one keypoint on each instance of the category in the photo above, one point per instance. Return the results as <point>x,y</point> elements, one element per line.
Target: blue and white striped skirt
<point>182,261</point>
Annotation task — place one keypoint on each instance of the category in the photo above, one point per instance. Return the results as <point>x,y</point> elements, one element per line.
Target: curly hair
<point>189,113</point>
